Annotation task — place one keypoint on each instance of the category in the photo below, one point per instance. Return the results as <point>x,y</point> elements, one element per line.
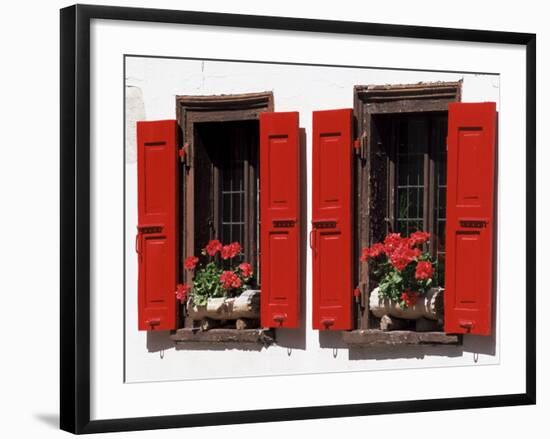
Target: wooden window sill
<point>367,337</point>
<point>261,336</point>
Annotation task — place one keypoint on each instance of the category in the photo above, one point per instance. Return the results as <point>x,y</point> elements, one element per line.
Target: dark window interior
<point>417,160</point>
<point>226,186</point>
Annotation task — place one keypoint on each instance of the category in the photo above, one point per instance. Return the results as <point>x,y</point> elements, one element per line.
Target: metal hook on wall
<point>161,353</point>
<point>334,352</point>
<point>289,351</point>
<point>476,357</point>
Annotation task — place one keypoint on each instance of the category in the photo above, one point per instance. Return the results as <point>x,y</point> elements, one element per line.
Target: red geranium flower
<point>392,241</point>
<point>403,255</point>
<point>237,283</point>
<point>372,252</point>
<point>424,270</point>
<point>230,280</point>
<point>225,252</point>
<point>418,238</point>
<point>213,247</point>
<point>190,262</point>
<point>230,250</point>
<point>377,250</point>
<point>246,269</point>
<point>235,249</point>
<point>409,297</point>
<point>181,292</point>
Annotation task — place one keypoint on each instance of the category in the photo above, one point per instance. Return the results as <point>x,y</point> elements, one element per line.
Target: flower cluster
<point>424,270</point>
<point>213,247</point>
<point>246,269</point>
<point>230,280</point>
<point>211,279</point>
<point>405,271</point>
<point>400,251</point>
<point>230,250</point>
<point>190,262</point>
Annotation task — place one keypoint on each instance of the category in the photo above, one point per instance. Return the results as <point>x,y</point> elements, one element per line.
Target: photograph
<point>284,211</point>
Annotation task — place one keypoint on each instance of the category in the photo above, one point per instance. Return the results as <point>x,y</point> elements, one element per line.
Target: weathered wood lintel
<point>263,337</point>
<point>377,337</point>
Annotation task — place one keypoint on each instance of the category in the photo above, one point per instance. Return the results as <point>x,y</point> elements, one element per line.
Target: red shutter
<point>470,217</point>
<point>331,236</point>
<point>156,238</point>
<point>280,219</point>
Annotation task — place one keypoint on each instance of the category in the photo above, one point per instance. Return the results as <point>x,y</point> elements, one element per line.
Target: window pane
<point>232,190</point>
<point>412,145</point>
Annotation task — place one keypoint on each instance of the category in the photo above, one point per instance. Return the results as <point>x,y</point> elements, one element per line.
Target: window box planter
<point>429,306</point>
<point>242,312</point>
<point>226,321</point>
<point>426,315</point>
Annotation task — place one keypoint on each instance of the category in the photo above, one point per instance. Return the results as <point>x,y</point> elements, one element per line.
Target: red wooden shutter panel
<point>157,233</point>
<point>470,217</point>
<point>280,219</point>
<point>331,236</point>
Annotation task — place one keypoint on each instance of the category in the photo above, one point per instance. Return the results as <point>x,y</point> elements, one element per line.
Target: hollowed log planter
<point>429,306</point>
<point>243,309</point>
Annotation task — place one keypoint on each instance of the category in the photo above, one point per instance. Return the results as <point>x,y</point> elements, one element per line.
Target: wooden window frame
<point>371,221</point>
<point>210,108</point>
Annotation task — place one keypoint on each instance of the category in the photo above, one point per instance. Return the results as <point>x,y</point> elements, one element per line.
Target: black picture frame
<point>75,217</point>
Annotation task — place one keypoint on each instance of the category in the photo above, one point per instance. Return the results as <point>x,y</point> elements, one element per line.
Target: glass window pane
<point>411,153</point>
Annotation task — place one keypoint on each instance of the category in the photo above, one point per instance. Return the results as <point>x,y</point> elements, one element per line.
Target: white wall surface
<point>151,85</point>
<point>29,184</point>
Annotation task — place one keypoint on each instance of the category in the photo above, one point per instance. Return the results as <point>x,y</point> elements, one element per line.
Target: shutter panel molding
<point>156,239</point>
<point>280,219</point>
<point>331,236</point>
<point>471,189</point>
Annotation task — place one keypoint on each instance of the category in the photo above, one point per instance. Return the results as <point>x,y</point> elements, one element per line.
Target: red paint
<point>470,217</point>
<point>157,234</point>
<point>332,235</point>
<point>280,219</point>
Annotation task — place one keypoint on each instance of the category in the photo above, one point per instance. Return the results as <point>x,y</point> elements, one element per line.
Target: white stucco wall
<point>151,87</point>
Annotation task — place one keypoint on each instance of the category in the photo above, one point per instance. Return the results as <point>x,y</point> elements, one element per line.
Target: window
<point>220,194</point>
<point>390,175</point>
<point>417,177</point>
<point>226,196</point>
<point>226,140</point>
<point>401,171</point>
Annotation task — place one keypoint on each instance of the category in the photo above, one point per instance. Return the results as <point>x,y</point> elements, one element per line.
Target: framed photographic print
<point>275,218</point>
